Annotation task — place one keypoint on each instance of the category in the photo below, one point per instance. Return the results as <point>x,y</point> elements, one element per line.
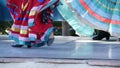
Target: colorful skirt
<point>86,15</point>
<point>32,23</point>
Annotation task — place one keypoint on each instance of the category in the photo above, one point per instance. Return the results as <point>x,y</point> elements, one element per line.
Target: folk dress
<point>32,21</point>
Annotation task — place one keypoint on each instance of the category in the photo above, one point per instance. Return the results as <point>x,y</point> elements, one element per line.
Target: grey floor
<point>64,47</point>
<point>66,52</point>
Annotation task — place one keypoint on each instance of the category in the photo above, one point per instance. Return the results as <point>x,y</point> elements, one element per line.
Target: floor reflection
<point>68,49</point>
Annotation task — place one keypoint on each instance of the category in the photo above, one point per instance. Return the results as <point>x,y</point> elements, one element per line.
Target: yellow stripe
<point>112,9</point>
<point>15,29</point>
<point>32,13</point>
<point>18,30</point>
<point>24,7</point>
<point>23,31</point>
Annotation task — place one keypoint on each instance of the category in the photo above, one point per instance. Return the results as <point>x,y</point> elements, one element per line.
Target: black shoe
<point>29,46</point>
<point>101,35</point>
<point>17,45</point>
<point>50,41</point>
<point>39,44</point>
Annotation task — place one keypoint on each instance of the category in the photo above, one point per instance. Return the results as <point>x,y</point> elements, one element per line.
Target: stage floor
<point>65,50</point>
<point>64,47</point>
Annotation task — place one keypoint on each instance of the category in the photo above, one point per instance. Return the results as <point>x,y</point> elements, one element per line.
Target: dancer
<point>32,22</point>
<point>86,15</point>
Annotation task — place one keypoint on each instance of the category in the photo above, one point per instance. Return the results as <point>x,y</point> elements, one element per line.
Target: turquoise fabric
<point>74,21</point>
<point>101,14</point>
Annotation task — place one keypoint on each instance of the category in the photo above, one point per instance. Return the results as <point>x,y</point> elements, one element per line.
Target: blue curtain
<point>4,12</point>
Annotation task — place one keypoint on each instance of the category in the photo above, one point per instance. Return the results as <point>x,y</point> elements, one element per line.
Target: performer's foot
<point>101,35</point>
<point>39,44</point>
<point>29,46</point>
<point>17,45</point>
<point>50,41</point>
